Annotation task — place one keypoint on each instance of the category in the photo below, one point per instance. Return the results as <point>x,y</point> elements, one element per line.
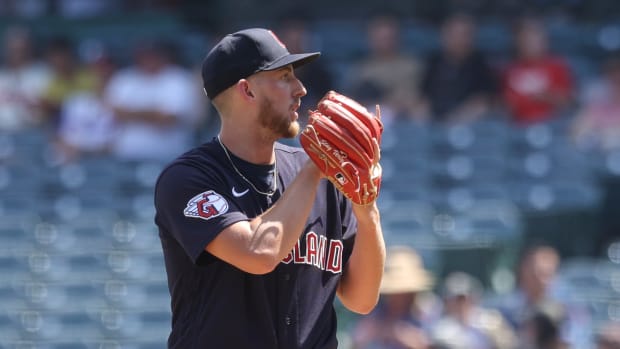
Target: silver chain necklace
<point>275,172</point>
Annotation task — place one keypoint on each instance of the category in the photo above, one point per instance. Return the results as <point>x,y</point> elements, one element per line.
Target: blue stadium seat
<point>405,173</point>
<point>590,277</point>
<point>462,198</point>
<point>142,207</point>
<point>419,39</point>
<point>341,40</point>
<point>408,136</point>
<point>531,138</point>
<point>555,195</point>
<point>405,160</point>
<point>142,343</point>
<point>52,237</point>
<point>9,331</point>
<point>73,236</point>
<point>15,235</point>
<point>124,294</point>
<point>81,295</point>
<point>10,298</point>
<point>130,294</point>
<point>494,38</point>
<point>402,195</point>
<point>409,223</point>
<point>117,324</point>
<point>13,267</point>
<point>136,266</point>
<point>83,265</point>
<point>27,139</point>
<point>135,235</point>
<point>80,324</point>
<point>565,37</point>
<point>152,345</point>
<point>40,295</point>
<point>19,179</point>
<point>488,223</point>
<point>69,345</point>
<point>488,136</point>
<point>157,324</point>
<point>21,204</point>
<point>7,146</point>
<point>466,169</point>
<point>34,325</point>
<point>558,162</point>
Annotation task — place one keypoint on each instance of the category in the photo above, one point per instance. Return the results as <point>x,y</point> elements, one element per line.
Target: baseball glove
<point>342,138</point>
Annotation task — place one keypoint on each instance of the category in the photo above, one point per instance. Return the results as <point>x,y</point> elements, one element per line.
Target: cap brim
<point>297,60</point>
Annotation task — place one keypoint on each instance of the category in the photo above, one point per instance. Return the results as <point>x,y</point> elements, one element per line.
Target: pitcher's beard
<point>279,124</point>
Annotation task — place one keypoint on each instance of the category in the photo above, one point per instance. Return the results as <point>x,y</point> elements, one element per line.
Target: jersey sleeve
<point>191,208</point>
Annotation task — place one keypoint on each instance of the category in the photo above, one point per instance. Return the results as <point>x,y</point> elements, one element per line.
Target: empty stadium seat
<point>128,294</point>
<point>340,40</point>
<point>15,235</point>
<point>8,330</point>
<point>135,325</point>
<point>135,235</point>
<point>13,268</point>
<point>484,137</point>
<point>9,298</point>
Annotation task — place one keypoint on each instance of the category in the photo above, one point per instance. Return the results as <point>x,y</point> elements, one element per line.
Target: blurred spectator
<point>465,324</point>
<point>458,84</point>
<point>597,124</point>
<point>542,328</point>
<point>387,76</point>
<point>316,77</point>
<point>86,122</point>
<point>69,76</point>
<point>608,337</point>
<point>400,319</point>
<point>536,274</point>
<point>537,85</point>
<point>22,81</point>
<point>155,104</point>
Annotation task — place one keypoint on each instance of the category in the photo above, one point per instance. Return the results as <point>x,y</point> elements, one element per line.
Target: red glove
<point>342,138</point>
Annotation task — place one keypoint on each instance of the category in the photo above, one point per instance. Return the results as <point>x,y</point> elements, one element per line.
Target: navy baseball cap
<point>241,54</point>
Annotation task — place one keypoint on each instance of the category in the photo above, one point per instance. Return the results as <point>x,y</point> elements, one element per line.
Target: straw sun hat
<point>404,272</point>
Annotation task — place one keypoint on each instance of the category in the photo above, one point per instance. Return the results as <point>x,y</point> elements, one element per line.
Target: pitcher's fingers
<point>378,111</point>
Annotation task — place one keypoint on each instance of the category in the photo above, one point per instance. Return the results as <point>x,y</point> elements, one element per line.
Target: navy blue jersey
<point>216,305</point>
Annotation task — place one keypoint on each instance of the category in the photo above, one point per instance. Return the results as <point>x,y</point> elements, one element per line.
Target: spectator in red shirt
<point>537,85</point>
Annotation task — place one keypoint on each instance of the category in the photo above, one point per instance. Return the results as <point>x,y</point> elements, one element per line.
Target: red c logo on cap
<point>277,39</point>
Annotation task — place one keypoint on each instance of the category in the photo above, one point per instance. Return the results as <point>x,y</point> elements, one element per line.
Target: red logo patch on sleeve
<point>206,205</point>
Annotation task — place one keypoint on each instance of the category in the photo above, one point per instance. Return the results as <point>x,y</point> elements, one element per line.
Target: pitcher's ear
<point>245,89</point>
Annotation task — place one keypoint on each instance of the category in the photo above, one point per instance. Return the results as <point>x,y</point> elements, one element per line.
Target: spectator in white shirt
<point>155,105</point>
<point>22,81</point>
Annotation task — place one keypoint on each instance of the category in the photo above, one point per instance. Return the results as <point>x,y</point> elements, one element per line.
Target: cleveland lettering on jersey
<point>319,252</point>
